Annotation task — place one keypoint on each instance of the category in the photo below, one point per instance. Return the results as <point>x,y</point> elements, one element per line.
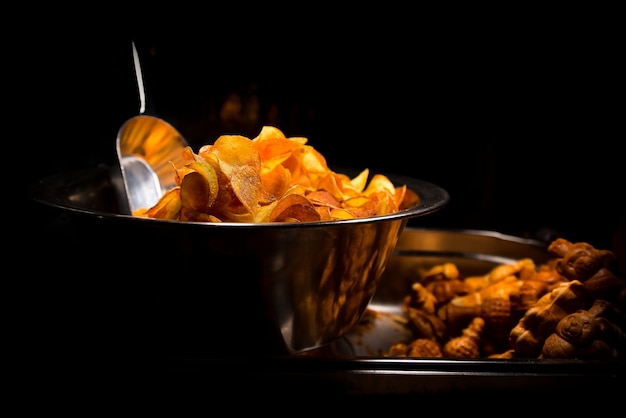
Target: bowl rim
<point>53,191</point>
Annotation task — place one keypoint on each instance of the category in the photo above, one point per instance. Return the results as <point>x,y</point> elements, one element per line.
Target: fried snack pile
<point>572,307</point>
<point>271,178</point>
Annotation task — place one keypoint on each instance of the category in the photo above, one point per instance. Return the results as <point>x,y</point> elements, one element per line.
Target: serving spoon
<point>147,147</point>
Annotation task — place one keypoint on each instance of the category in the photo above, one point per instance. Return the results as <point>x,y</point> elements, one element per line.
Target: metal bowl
<point>185,288</point>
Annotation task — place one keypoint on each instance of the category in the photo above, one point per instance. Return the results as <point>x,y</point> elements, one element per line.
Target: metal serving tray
<point>355,365</point>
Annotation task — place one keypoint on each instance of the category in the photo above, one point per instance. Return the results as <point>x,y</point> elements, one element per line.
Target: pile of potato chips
<point>272,178</point>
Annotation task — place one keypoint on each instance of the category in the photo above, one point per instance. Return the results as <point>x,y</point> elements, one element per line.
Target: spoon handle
<point>139,78</point>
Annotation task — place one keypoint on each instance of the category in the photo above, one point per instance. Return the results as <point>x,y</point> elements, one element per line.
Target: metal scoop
<point>147,147</point>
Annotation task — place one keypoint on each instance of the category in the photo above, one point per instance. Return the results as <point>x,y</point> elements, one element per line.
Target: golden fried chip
<point>362,207</point>
<point>272,178</point>
<point>246,183</point>
<point>406,197</point>
<point>338,214</point>
<point>323,198</point>
<point>294,208</point>
<point>378,183</point>
<point>199,186</point>
<point>168,207</point>
<point>275,183</point>
<point>234,151</point>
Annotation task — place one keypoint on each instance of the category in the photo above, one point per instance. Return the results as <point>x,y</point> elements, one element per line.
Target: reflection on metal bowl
<point>224,288</point>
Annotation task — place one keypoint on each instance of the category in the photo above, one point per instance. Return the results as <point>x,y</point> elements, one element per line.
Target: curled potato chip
<point>405,197</point>
<point>275,183</point>
<point>323,198</point>
<point>168,207</point>
<point>294,208</point>
<point>199,186</point>
<point>363,206</point>
<point>247,187</point>
<point>272,178</point>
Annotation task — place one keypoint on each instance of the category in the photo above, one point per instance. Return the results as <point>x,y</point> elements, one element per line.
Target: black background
<point>517,114</point>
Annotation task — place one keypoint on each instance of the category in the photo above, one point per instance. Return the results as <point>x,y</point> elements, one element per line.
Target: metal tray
<point>355,365</point>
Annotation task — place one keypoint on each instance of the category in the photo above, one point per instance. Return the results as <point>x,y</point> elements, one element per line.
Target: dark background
<point>517,114</point>
<point>518,119</point>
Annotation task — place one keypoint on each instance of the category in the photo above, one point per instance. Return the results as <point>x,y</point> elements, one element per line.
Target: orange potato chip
<point>323,198</point>
<point>272,178</point>
<point>363,206</point>
<point>246,183</point>
<point>275,183</point>
<point>168,207</point>
<point>338,214</point>
<point>406,198</point>
<point>294,208</point>
<point>199,186</point>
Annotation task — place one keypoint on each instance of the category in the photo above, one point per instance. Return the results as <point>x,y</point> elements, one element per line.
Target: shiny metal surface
<point>214,287</point>
<point>146,147</point>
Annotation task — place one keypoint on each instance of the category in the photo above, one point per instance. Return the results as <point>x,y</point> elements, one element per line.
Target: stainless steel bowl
<point>224,288</point>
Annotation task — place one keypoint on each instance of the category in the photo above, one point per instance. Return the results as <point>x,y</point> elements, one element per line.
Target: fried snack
<point>467,345</point>
<point>272,178</point>
<point>528,336</point>
<point>586,335</point>
<point>420,347</point>
<point>427,326</point>
<point>581,261</point>
<point>570,307</point>
<point>499,273</point>
<point>444,282</point>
